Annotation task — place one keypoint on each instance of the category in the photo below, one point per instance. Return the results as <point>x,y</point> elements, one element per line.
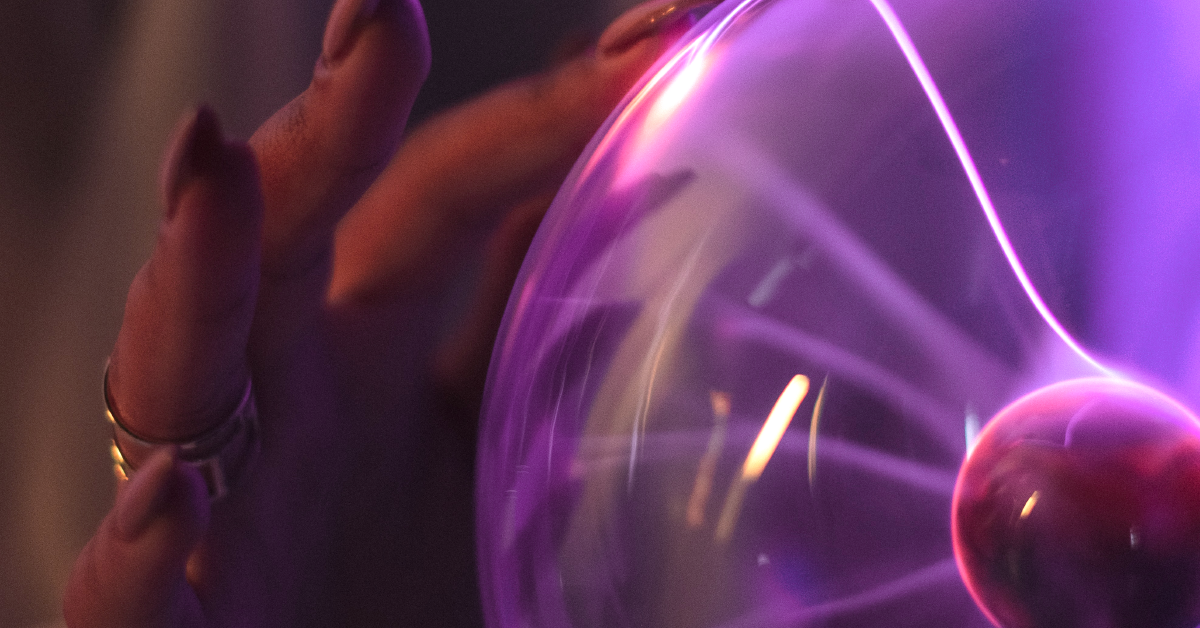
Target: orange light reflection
<point>760,453</point>
<point>708,463</point>
<point>772,430</point>
<point>812,433</point>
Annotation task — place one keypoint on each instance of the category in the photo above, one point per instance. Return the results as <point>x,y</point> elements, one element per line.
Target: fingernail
<point>343,24</point>
<point>144,497</point>
<point>645,20</point>
<point>195,149</point>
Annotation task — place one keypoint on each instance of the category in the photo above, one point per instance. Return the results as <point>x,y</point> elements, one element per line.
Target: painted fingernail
<point>145,496</point>
<point>344,22</point>
<point>645,20</point>
<point>196,148</point>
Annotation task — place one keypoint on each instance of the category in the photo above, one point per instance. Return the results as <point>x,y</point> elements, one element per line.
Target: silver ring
<point>221,454</point>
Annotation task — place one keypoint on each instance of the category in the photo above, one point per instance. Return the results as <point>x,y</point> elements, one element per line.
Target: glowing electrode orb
<point>1080,507</point>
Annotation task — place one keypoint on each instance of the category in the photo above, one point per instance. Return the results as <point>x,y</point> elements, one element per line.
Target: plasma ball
<point>1080,507</point>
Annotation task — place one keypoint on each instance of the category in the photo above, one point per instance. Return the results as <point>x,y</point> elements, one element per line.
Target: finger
<point>321,151</point>
<point>461,168</point>
<point>179,364</point>
<point>132,573</point>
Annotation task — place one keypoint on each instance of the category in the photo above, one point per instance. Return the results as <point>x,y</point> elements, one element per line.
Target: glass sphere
<point>773,306</point>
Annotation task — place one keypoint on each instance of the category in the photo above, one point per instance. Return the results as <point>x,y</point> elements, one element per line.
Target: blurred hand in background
<point>317,261</point>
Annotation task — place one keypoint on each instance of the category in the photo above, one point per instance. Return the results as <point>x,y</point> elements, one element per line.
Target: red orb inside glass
<point>1079,506</point>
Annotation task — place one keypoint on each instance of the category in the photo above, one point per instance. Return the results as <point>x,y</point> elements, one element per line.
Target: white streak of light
<point>673,96</point>
<point>659,344</point>
<point>766,288</point>
<point>930,412</point>
<point>964,156</point>
<point>971,429</point>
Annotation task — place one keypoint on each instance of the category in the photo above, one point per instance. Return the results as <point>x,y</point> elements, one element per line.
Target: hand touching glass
<point>313,262</point>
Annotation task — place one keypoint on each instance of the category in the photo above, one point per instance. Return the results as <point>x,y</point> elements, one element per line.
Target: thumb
<point>132,572</point>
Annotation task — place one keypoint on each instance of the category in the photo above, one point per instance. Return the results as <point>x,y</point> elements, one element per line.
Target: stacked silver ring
<point>220,454</point>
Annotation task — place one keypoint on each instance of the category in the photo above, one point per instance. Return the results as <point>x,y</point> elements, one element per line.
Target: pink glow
<point>684,70</point>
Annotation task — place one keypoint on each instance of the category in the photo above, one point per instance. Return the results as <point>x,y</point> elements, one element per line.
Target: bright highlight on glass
<point>702,488</point>
<point>1029,504</point>
<point>773,428</point>
<point>760,453</point>
<point>674,94</point>
<point>813,430</point>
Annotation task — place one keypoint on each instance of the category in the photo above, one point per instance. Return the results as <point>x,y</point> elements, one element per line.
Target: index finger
<point>465,166</point>
<point>322,150</point>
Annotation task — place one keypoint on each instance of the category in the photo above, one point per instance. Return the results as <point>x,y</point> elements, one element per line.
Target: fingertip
<point>647,20</point>
<point>210,186</point>
<point>131,573</point>
<point>375,54</point>
<point>143,495</point>
<point>195,149</point>
<point>365,83</point>
<point>180,356</point>
<point>403,22</point>
<point>225,173</point>
<point>321,152</point>
<point>192,503</point>
<point>460,166</point>
<point>164,496</point>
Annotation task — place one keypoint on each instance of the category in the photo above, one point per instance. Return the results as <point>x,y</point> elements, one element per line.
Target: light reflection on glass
<point>773,428</point>
<point>812,433</point>
<point>971,428</point>
<point>673,96</point>
<point>702,488</point>
<point>118,461</point>
<point>1029,504</point>
<point>761,451</point>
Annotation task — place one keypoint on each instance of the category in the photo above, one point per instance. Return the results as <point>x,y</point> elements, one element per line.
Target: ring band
<point>220,454</point>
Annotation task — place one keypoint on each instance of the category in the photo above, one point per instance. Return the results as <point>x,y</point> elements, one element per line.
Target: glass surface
<point>772,308</point>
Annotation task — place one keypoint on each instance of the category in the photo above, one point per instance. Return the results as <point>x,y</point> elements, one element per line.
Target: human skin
<point>312,259</point>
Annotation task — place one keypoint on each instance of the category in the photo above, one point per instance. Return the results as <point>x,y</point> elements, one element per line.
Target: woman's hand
<point>313,262</point>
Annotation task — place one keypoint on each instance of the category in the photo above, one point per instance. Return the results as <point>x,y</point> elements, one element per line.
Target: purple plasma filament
<point>1078,507</point>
